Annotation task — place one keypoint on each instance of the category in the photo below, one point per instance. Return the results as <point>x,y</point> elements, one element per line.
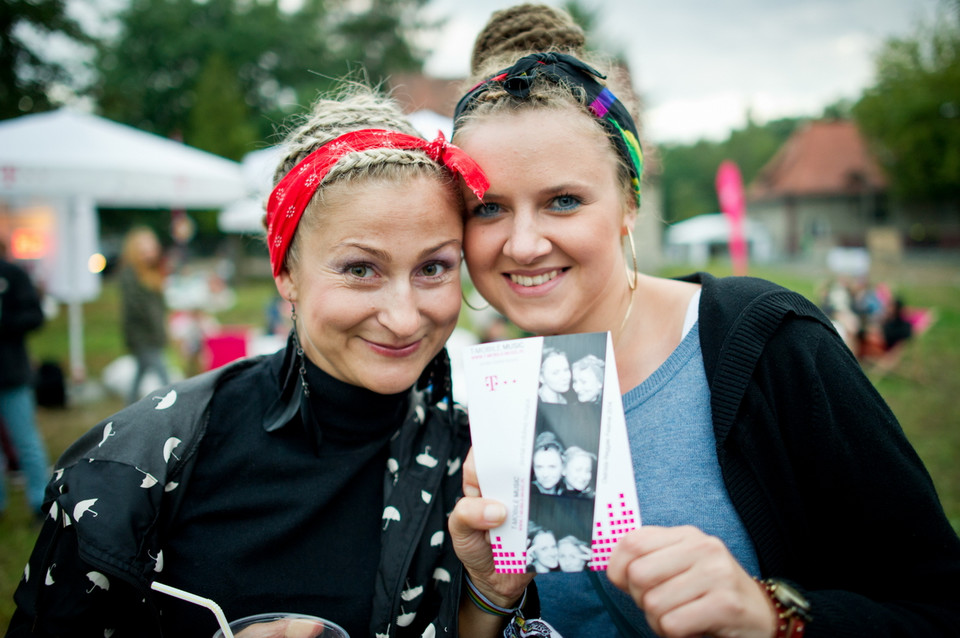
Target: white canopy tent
<point>75,162</point>
<point>246,215</point>
<point>691,239</point>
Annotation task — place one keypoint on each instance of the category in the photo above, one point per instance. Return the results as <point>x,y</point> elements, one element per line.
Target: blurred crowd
<point>874,322</point>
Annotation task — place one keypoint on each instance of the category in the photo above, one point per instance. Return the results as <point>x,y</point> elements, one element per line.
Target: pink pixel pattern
<point>608,529</point>
<point>507,562</point>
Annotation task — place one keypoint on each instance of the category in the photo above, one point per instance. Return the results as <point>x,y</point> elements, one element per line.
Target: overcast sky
<point>700,64</point>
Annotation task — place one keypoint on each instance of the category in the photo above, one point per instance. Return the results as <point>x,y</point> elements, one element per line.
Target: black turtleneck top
<point>289,519</point>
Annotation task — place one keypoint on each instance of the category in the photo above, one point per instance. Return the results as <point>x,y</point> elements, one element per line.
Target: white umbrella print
<point>410,594</point>
<point>437,539</point>
<point>49,579</point>
<point>426,496</point>
<point>107,433</point>
<point>26,573</point>
<point>83,507</point>
<point>158,561</point>
<point>404,620</point>
<point>425,459</point>
<point>166,400</point>
<point>441,574</point>
<point>394,469</point>
<point>420,413</point>
<point>429,632</point>
<point>390,513</point>
<point>168,447</point>
<point>169,487</point>
<point>98,580</point>
<point>453,466</point>
<point>149,480</point>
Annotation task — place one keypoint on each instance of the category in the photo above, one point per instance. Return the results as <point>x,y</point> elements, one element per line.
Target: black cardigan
<point>834,497</point>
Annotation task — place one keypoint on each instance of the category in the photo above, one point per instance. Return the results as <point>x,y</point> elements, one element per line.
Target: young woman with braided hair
<point>778,494</point>
<point>316,480</point>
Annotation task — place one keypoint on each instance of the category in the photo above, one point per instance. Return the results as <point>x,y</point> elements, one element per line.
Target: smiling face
<point>547,467</point>
<point>578,471</point>
<point>555,373</point>
<point>544,246</point>
<point>571,557</point>
<point>586,384</point>
<point>545,553</point>
<point>377,284</point>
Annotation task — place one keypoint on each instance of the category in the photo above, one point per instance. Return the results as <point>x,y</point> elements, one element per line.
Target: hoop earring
<point>471,306</point>
<point>632,283</point>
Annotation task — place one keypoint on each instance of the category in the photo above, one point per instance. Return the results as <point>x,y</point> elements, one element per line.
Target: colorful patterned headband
<point>557,67</point>
<point>292,194</point>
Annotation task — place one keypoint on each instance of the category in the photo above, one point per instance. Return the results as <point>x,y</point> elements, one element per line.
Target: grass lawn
<point>922,390</point>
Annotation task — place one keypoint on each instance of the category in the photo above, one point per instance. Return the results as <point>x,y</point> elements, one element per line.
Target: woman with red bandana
<point>316,480</point>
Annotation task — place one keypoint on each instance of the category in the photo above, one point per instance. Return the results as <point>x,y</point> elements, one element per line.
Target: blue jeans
<point>148,359</point>
<point>18,409</point>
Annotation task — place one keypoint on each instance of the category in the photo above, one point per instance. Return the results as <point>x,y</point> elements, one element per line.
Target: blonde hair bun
<point>522,29</point>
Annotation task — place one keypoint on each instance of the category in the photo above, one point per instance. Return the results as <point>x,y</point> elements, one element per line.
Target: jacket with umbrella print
<point>91,568</point>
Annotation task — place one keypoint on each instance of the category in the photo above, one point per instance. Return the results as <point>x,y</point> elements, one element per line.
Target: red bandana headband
<point>292,194</point>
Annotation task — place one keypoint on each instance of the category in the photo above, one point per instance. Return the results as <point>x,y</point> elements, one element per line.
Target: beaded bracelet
<point>486,605</point>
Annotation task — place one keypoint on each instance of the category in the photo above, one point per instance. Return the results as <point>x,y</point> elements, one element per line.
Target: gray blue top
<point>672,443</point>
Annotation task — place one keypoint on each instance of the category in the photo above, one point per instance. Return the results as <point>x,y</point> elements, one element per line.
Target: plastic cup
<point>284,625</point>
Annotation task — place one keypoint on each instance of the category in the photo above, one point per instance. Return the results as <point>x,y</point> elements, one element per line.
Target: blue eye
<point>566,202</point>
<point>484,210</point>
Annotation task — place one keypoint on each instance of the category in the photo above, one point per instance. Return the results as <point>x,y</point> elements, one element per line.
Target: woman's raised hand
<point>688,584</point>
<point>469,523</point>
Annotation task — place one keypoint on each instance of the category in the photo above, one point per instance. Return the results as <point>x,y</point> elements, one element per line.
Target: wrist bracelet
<point>792,610</point>
<point>486,605</point>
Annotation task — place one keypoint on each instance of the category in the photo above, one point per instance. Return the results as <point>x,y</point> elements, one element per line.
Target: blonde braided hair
<point>527,28</point>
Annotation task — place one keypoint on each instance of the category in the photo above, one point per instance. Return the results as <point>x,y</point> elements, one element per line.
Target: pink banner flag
<point>732,203</point>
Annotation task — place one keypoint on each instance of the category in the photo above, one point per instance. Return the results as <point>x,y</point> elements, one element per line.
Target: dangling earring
<point>472,307</point>
<point>631,281</point>
<point>303,359</point>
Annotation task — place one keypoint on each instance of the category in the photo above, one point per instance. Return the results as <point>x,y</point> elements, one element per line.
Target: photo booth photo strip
<point>550,442</point>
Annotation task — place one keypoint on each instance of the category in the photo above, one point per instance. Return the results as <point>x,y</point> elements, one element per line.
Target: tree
<point>912,113</point>
<point>220,120</point>
<point>376,40</point>
<point>25,76</point>
<point>151,72</point>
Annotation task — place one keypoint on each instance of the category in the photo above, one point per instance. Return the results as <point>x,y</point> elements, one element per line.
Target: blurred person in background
<point>20,313</point>
<point>143,307</point>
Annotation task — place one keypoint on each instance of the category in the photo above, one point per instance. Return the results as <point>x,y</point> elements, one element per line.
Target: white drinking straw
<point>197,600</point>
